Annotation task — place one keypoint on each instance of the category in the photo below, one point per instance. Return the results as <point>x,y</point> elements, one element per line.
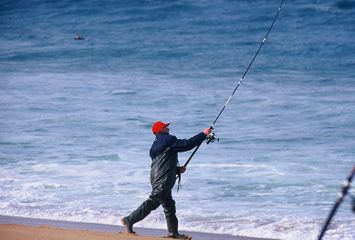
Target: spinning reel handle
<point>211,137</point>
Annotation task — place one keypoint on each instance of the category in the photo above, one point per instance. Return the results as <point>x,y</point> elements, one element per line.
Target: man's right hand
<point>207,131</point>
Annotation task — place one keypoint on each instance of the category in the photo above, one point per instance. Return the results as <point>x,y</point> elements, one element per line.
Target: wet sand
<point>18,228</point>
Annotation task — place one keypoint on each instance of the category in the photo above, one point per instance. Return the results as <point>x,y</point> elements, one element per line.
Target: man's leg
<point>140,213</point>
<point>169,210</point>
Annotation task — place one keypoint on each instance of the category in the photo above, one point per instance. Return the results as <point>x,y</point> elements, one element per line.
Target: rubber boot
<point>139,214</point>
<point>172,223</point>
<point>179,236</point>
<point>127,225</point>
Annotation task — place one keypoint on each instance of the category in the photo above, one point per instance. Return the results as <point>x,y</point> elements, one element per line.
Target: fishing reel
<point>211,138</point>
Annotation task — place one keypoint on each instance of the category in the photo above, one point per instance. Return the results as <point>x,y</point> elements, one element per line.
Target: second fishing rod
<point>211,138</point>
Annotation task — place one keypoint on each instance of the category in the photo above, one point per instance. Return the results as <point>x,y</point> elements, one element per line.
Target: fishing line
<point>211,137</point>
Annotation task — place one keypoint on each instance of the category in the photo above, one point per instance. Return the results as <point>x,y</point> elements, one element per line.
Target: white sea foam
<point>243,167</point>
<point>122,92</point>
<point>41,185</point>
<point>288,228</point>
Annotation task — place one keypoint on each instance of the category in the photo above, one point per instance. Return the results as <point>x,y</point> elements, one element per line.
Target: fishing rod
<point>211,137</point>
<point>340,197</point>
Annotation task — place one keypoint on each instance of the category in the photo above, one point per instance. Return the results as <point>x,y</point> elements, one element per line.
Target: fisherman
<point>164,169</point>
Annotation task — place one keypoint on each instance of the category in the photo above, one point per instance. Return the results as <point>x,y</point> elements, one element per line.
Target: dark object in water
<point>78,37</point>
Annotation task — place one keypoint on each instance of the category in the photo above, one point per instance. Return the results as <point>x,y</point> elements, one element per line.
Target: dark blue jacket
<point>165,159</point>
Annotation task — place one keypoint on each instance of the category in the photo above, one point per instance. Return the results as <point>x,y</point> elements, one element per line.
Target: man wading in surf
<point>164,169</point>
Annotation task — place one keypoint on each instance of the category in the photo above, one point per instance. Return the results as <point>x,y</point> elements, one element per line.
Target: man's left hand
<point>182,169</point>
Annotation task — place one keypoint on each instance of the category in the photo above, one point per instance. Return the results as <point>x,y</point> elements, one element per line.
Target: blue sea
<point>75,116</point>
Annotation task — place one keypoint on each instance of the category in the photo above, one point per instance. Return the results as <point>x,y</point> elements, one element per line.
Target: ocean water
<point>75,116</point>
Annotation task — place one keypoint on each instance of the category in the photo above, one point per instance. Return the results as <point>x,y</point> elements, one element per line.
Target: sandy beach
<point>18,228</point>
<point>22,232</point>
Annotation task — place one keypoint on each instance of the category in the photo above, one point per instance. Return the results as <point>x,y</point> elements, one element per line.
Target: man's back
<point>164,163</point>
